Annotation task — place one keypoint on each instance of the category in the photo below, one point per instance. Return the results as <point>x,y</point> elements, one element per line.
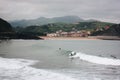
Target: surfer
<point>72,53</point>
<point>113,56</point>
<point>59,48</point>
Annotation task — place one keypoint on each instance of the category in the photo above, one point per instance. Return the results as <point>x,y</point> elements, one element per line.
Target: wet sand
<point>68,38</point>
<point>82,38</point>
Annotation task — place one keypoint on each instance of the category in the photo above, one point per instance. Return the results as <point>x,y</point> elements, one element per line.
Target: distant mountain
<point>43,21</point>
<point>91,20</point>
<point>67,19</point>
<point>5,26</point>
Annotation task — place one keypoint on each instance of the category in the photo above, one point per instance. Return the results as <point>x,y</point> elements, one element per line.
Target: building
<point>60,33</point>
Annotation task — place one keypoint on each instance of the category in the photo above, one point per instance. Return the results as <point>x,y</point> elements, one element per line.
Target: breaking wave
<point>95,59</point>
<point>20,69</point>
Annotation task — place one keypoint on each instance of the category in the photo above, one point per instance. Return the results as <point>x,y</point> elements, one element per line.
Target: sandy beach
<point>82,38</point>
<point>68,38</point>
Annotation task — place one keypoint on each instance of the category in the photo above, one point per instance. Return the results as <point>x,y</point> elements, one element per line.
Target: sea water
<point>50,60</point>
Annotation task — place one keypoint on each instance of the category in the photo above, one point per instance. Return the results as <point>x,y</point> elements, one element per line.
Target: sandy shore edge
<point>82,38</point>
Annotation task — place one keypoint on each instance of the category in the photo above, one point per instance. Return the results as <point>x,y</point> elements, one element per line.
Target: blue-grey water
<point>57,60</point>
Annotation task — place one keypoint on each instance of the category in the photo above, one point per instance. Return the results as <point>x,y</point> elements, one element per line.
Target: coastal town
<point>61,33</point>
<point>75,33</point>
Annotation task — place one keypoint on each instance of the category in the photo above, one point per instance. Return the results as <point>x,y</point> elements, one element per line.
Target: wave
<point>20,69</point>
<point>95,59</point>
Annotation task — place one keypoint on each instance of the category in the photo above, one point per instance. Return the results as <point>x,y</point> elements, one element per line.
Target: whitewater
<point>96,59</point>
<point>20,69</point>
<point>43,60</point>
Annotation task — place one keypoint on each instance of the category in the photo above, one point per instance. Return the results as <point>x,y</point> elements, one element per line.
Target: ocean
<point>51,60</point>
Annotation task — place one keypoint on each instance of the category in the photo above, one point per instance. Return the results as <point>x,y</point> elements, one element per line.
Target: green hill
<point>7,32</point>
<point>5,27</point>
<point>113,30</point>
<point>53,27</point>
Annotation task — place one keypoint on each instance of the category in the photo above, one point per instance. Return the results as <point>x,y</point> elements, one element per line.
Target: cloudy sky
<point>105,10</point>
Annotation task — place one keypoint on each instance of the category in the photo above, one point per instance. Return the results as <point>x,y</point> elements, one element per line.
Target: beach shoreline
<point>82,38</point>
<point>68,38</point>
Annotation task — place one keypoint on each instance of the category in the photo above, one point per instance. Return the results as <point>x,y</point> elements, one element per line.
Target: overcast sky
<point>105,10</point>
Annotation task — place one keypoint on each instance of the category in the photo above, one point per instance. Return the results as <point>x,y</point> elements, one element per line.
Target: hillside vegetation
<point>53,27</point>
<point>7,32</point>
<point>114,30</point>
<point>5,27</point>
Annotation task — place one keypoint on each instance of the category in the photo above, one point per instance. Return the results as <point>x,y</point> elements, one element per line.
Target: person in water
<point>113,56</point>
<point>59,48</point>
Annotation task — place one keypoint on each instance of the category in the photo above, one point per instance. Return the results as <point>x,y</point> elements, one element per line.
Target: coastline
<point>82,38</point>
<point>68,38</point>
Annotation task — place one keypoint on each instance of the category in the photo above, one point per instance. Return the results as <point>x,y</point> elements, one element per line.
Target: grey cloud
<point>27,9</point>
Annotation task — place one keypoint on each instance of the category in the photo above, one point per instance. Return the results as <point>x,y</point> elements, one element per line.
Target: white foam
<point>97,59</point>
<point>18,69</point>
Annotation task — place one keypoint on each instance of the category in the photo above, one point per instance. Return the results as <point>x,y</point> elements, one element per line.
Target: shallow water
<point>52,59</point>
